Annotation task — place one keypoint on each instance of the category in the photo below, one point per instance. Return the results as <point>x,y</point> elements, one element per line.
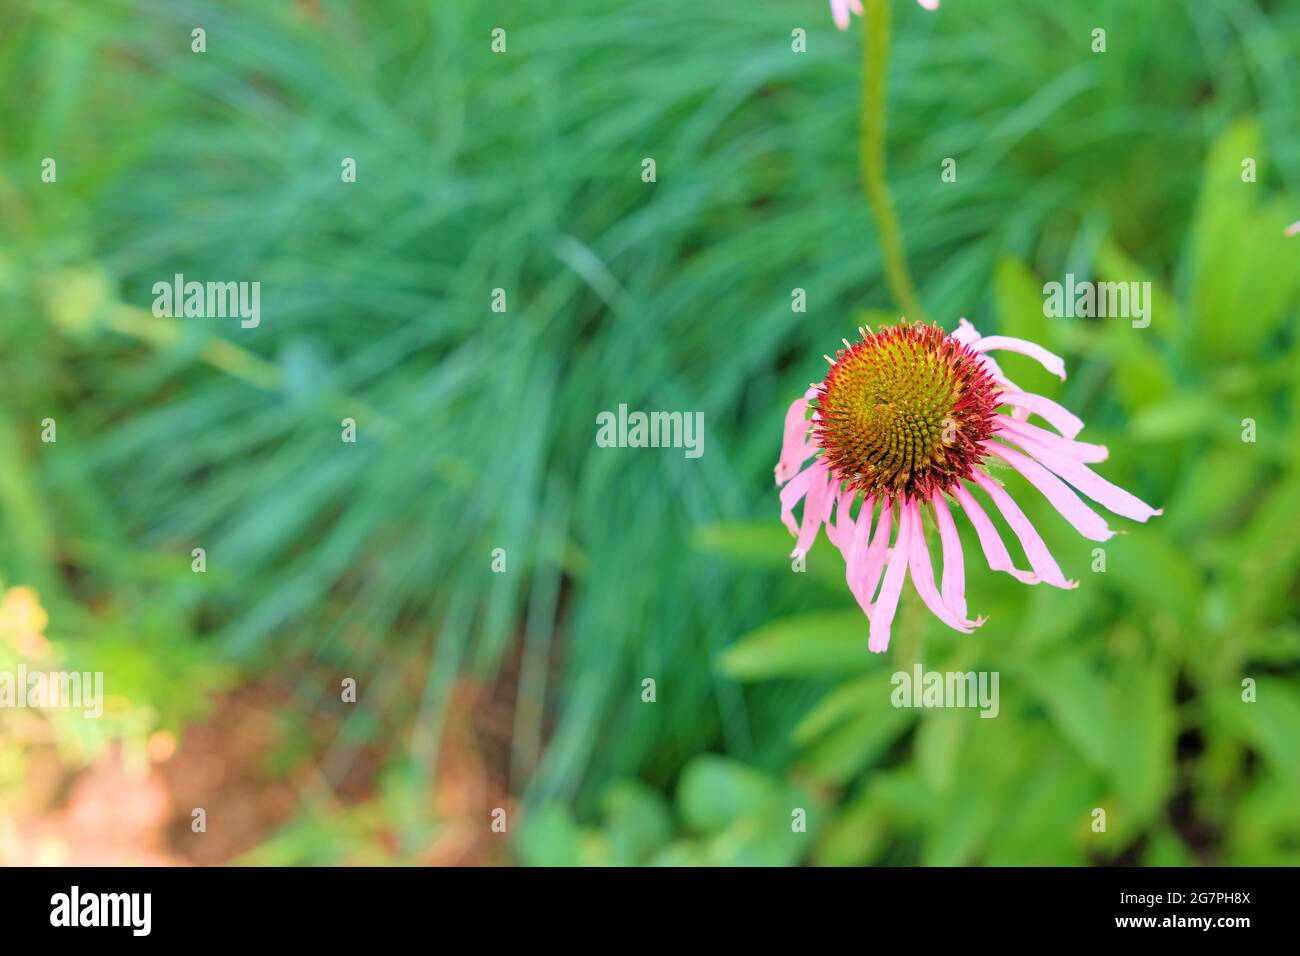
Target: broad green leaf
<point>1243,269</point>
<point>824,642</point>
<point>637,820</point>
<point>1140,754</point>
<point>714,791</point>
<point>1073,691</point>
<point>548,836</point>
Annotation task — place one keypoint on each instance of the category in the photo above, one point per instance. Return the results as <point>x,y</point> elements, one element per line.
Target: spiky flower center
<point>903,412</point>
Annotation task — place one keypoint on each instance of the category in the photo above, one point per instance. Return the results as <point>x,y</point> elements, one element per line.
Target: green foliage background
<point>521,171</point>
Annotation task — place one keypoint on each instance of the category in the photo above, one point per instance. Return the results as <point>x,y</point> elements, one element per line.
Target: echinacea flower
<point>906,420</point>
<point>840,10</point>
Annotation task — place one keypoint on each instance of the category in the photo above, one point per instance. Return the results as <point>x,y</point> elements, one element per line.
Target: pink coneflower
<point>905,419</point>
<point>840,10</point>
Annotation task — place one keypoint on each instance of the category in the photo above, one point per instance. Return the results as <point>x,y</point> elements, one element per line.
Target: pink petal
<point>1085,521</point>
<point>870,568</point>
<point>840,11</point>
<point>816,508</point>
<point>929,4</point>
<point>796,446</point>
<point>1040,559</point>
<point>1089,482</point>
<point>1293,229</point>
<point>918,561</point>
<point>840,531</point>
<point>1053,363</point>
<point>966,333</point>
<point>1013,430</point>
<point>954,571</point>
<point>797,489</point>
<point>857,553</point>
<point>1059,417</point>
<point>995,552</point>
<point>882,612</point>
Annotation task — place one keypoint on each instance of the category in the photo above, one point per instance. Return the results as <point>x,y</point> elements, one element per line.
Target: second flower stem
<point>871,157</point>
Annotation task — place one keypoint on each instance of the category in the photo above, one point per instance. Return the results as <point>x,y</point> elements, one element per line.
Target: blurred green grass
<point>521,171</point>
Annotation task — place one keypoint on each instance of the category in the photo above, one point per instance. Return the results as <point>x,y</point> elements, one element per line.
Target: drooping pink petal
<point>918,562</point>
<point>1040,559</point>
<point>929,4</point>
<point>953,587</point>
<point>995,552</point>
<point>1014,431</point>
<point>796,446</point>
<point>816,507</point>
<point>1072,508</point>
<point>840,530</point>
<point>796,490</point>
<point>1088,481</point>
<point>882,612</point>
<point>859,546</point>
<point>871,567</point>
<point>1059,417</point>
<point>1050,361</point>
<point>1293,229</point>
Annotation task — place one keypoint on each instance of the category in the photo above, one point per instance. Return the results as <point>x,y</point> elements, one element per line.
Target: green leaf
<point>548,836</point>
<point>1140,754</point>
<point>637,819</point>
<point>819,643</point>
<point>1072,690</point>
<point>715,790</point>
<point>1243,269</point>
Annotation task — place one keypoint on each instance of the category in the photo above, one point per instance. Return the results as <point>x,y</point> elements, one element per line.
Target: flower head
<point>905,420</point>
<point>840,10</point>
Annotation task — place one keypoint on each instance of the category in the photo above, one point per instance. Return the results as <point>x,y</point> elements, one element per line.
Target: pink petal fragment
<point>918,561</point>
<point>1040,559</point>
<point>954,571</point>
<point>1050,361</point>
<point>882,612</point>
<point>1089,482</point>
<point>840,11</point>
<point>1293,229</point>
<point>1013,430</point>
<point>929,4</point>
<point>1085,521</point>
<point>1059,417</point>
<point>995,552</point>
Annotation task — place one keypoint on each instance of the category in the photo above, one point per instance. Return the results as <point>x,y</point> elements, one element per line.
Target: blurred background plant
<point>521,171</point>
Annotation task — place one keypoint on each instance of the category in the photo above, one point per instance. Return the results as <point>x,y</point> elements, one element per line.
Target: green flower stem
<point>871,156</point>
